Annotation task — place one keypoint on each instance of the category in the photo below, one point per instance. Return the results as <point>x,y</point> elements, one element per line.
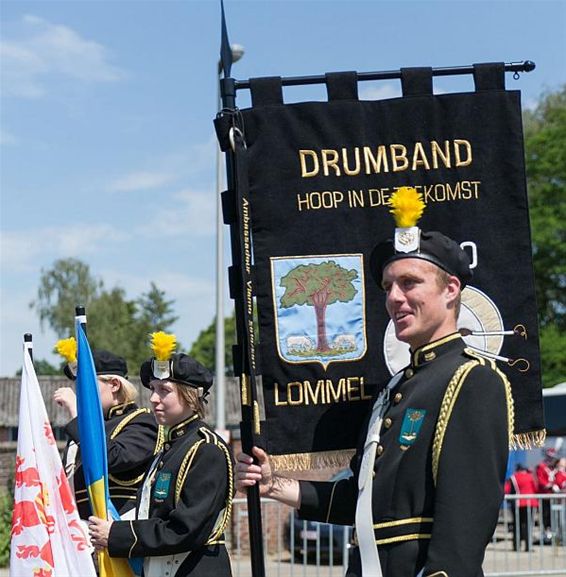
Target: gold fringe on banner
<point>528,440</point>
<point>341,459</point>
<point>306,461</point>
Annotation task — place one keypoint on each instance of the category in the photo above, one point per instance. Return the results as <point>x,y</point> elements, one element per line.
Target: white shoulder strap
<point>364,512</point>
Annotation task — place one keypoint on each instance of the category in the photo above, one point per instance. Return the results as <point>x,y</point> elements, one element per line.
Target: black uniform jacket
<point>132,441</point>
<point>439,469</point>
<point>191,502</point>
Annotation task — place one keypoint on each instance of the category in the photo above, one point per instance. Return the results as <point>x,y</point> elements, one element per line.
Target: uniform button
<point>387,422</point>
<point>160,466</point>
<point>379,449</point>
<point>409,373</point>
<point>167,446</point>
<point>397,398</point>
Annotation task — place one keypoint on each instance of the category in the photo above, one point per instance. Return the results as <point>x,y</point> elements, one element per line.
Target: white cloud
<point>381,92</point>
<point>22,249</point>
<point>44,51</point>
<point>189,212</point>
<point>388,90</point>
<point>141,181</point>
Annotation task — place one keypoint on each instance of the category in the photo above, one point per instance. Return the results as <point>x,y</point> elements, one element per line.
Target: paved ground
<point>499,561</point>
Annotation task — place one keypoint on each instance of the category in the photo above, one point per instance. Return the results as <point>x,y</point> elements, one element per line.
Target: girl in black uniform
<point>186,499</point>
<point>133,437</point>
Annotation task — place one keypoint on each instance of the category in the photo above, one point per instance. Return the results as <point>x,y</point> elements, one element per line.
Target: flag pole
<point>28,341</point>
<point>239,280</point>
<point>515,67</point>
<point>80,315</point>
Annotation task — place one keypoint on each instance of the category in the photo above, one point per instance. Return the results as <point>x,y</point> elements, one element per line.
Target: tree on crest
<point>318,285</point>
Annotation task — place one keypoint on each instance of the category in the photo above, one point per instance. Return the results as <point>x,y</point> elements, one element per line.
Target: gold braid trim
<point>305,461</point>
<point>221,527</point>
<point>402,538</point>
<point>161,436</point>
<point>127,419</point>
<point>117,430</point>
<point>448,402</point>
<point>518,440</point>
<point>184,468</point>
<point>510,405</point>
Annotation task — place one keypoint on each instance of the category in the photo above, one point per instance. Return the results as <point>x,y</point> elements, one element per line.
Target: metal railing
<point>296,548</point>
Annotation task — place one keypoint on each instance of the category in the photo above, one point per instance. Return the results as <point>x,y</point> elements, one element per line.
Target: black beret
<point>435,247</point>
<point>105,363</point>
<point>183,370</point>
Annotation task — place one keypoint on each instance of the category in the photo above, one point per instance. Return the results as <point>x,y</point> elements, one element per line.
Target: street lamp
<point>219,364</point>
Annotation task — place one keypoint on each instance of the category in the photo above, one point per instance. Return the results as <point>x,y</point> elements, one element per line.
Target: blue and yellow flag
<point>93,448</point>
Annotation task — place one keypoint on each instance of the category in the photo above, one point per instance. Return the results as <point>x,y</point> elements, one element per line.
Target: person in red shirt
<point>546,472</point>
<point>560,477</point>
<point>522,482</point>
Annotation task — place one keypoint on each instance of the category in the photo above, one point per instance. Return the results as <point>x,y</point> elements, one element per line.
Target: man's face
<point>421,310</point>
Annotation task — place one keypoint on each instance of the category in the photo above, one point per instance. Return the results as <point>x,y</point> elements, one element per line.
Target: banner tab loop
<point>416,81</point>
<point>266,91</point>
<point>342,85</point>
<point>489,76</point>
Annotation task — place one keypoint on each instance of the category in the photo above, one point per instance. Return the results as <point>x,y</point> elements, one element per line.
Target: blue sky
<point>107,149</point>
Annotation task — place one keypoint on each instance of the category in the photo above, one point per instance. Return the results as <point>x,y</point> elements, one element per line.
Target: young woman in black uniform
<point>186,499</point>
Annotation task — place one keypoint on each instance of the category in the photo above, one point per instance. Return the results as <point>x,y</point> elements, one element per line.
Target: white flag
<point>48,537</point>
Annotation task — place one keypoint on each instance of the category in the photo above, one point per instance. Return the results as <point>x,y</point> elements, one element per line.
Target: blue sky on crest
<point>107,149</point>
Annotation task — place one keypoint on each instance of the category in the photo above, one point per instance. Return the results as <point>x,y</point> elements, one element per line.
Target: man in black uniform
<point>429,470</point>
<point>132,434</point>
<point>186,499</point>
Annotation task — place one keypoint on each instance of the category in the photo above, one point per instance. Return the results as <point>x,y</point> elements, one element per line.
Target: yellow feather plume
<point>163,345</point>
<point>67,348</point>
<point>407,206</point>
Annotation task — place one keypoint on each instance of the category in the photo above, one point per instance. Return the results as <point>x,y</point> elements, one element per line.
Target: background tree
<point>44,368</point>
<point>318,285</point>
<point>545,152</point>
<point>204,347</point>
<point>61,288</point>
<point>114,322</point>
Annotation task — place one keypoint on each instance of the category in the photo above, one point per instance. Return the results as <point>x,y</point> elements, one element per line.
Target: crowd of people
<point>527,509</point>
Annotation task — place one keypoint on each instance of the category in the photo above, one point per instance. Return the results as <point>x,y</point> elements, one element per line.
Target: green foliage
<point>204,347</point>
<point>553,345</point>
<point>67,284</point>
<point>545,152</point>
<point>6,504</point>
<point>44,368</point>
<point>318,285</point>
<point>114,322</point>
<point>545,147</point>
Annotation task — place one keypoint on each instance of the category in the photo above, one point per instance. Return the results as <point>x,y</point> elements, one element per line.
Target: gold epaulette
<point>483,360</point>
<point>446,408</point>
<point>127,419</point>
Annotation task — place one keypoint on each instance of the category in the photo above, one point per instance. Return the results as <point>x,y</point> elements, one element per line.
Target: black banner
<point>320,175</point>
